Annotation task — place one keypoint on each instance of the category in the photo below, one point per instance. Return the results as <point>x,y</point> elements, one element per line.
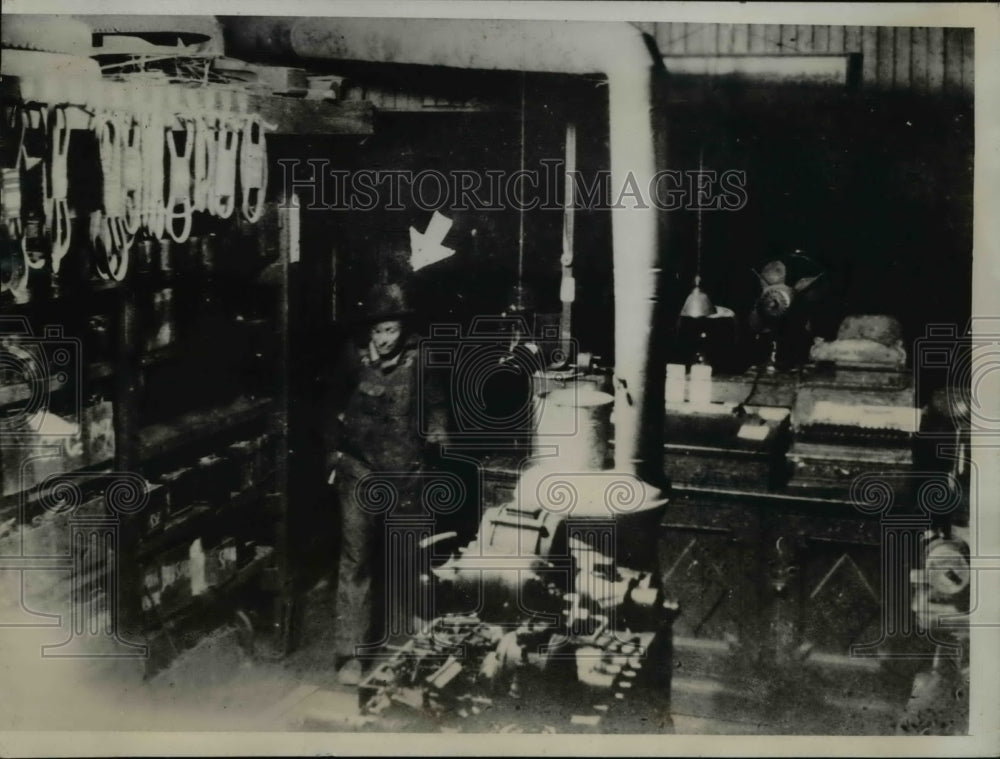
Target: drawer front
<point>716,471</point>
<point>688,515</point>
<point>831,477</point>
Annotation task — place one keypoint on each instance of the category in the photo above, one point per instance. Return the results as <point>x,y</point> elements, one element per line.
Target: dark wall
<point>877,190</point>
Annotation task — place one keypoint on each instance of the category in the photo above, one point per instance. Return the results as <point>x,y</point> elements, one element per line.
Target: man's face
<point>386,336</point>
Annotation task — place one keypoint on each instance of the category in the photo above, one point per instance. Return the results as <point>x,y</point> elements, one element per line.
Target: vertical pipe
<point>634,244</point>
<point>289,225</point>
<point>568,294</point>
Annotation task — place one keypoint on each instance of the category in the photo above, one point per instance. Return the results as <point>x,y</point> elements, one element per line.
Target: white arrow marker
<point>426,247</point>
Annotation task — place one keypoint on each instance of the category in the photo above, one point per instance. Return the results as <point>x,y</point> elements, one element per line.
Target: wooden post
<point>126,426</point>
<point>284,611</point>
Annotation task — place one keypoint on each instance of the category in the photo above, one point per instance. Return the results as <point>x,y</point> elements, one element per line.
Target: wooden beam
<point>812,69</point>
<point>298,116</point>
<point>290,115</point>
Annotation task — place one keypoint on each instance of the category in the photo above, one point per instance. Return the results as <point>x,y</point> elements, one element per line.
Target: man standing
<point>373,436</point>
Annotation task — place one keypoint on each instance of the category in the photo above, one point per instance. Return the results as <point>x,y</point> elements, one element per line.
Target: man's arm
<point>340,382</point>
<point>437,408</point>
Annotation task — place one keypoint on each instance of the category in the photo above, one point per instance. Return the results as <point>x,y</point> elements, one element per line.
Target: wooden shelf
<point>32,497</point>
<point>297,117</point>
<point>85,290</point>
<point>161,617</point>
<point>193,524</point>
<point>158,439</point>
<point>169,352</point>
<point>23,391</point>
<point>100,370</point>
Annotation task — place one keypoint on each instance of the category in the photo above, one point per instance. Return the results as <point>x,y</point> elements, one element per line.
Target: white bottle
<point>701,385</point>
<point>196,557</point>
<point>676,383</point>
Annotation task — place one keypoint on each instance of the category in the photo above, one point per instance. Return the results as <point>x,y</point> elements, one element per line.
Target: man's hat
<point>386,302</point>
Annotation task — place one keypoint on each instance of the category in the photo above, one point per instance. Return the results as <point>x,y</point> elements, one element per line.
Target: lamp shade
<point>697,304</point>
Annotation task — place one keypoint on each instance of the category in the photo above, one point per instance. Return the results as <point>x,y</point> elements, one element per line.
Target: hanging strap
<point>10,180</point>
<point>18,286</point>
<point>132,166</point>
<point>112,130</point>
<point>35,229</point>
<point>253,168</point>
<point>61,228</point>
<point>110,261</point>
<point>224,192</point>
<point>204,164</point>
<point>11,186</point>
<point>153,143</point>
<point>179,206</point>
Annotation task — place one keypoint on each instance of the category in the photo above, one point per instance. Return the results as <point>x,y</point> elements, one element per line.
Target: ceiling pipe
<point>620,52</point>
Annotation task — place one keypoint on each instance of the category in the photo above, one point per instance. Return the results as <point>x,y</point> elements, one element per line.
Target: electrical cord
<point>740,409</point>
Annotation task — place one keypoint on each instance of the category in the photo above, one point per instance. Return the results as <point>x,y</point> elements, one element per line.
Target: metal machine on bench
<point>550,619</point>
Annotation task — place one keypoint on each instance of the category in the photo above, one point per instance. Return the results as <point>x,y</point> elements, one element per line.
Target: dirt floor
<point>217,686</point>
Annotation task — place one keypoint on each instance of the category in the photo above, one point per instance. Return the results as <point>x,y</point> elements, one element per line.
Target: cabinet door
<point>709,562</point>
<point>840,582</point>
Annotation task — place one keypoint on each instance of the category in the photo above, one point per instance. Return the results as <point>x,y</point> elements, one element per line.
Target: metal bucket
<point>572,427</point>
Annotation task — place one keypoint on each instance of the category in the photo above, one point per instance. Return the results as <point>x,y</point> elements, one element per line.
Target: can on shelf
<point>220,562</point>
<point>243,455</point>
<point>175,574</point>
<point>216,479</point>
<point>267,455</point>
<point>155,512</point>
<point>152,587</point>
<point>180,490</point>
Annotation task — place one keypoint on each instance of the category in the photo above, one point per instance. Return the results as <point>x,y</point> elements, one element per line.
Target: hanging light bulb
<point>698,304</point>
